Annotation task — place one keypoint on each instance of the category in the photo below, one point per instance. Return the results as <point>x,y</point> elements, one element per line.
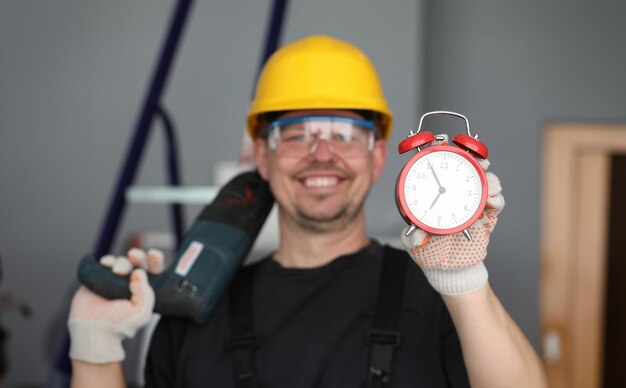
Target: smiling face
<point>320,191</point>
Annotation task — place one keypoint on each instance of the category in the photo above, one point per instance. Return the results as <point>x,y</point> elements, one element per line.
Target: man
<point>319,122</point>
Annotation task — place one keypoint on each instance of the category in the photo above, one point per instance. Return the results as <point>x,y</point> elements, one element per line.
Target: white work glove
<point>97,326</point>
<point>452,264</point>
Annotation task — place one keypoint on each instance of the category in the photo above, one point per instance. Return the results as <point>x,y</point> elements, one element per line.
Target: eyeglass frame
<point>272,130</point>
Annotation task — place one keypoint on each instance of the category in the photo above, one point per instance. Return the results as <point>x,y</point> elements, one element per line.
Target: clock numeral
<point>454,216</point>
<point>469,193</point>
<point>467,178</point>
<point>439,218</point>
<point>416,202</point>
<point>465,208</point>
<point>443,165</point>
<point>414,187</point>
<point>420,175</point>
<point>457,168</point>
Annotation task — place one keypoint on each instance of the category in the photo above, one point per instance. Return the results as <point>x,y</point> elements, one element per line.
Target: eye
<point>343,133</point>
<point>293,138</point>
<point>292,135</point>
<point>342,137</point>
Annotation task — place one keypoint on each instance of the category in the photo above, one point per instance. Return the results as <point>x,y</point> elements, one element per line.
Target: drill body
<point>212,250</point>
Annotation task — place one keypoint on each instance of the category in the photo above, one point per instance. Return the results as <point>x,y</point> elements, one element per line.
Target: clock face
<point>442,190</point>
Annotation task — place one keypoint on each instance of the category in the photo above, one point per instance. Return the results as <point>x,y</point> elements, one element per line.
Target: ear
<point>379,156</point>
<point>261,155</point>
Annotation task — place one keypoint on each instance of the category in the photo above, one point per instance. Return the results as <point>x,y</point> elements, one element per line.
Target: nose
<point>322,149</point>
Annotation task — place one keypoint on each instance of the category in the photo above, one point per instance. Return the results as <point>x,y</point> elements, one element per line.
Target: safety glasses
<point>299,136</point>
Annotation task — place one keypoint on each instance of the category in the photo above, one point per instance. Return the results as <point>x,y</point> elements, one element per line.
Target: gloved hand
<point>452,264</point>
<point>97,326</point>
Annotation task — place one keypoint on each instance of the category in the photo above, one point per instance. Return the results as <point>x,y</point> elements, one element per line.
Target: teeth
<point>320,182</point>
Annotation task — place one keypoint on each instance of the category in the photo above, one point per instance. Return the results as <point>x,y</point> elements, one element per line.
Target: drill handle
<point>101,280</point>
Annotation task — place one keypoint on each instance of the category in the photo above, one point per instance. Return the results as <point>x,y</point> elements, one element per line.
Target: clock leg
<point>410,230</point>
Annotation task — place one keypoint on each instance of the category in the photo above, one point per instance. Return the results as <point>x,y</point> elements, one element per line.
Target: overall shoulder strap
<point>243,340</point>
<point>384,337</point>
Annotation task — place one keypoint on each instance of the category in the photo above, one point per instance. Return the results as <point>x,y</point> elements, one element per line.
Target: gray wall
<point>72,78</point>
<point>512,66</point>
<point>73,74</point>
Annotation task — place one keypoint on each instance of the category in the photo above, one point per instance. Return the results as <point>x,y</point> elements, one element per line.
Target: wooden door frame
<point>574,236</point>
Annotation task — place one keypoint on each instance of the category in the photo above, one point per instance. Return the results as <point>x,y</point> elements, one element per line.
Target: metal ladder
<point>151,109</point>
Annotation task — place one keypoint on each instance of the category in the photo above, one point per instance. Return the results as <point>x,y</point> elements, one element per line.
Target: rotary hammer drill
<point>212,250</point>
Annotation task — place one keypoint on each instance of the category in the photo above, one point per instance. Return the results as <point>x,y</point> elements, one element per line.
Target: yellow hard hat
<point>318,72</point>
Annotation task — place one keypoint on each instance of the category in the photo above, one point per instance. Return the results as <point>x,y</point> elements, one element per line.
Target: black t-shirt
<point>312,325</point>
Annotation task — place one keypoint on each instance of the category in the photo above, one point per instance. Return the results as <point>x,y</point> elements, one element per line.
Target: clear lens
<point>298,136</point>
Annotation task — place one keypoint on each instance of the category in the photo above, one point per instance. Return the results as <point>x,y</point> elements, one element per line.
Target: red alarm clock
<point>442,189</point>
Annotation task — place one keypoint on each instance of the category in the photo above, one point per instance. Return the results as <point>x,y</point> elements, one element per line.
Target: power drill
<point>212,250</point>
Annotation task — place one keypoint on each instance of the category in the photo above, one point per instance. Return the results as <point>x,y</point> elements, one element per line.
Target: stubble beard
<point>324,223</point>
<point>320,222</point>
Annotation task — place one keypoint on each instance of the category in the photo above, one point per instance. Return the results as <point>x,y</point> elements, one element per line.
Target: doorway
<point>581,291</point>
<point>615,303</point>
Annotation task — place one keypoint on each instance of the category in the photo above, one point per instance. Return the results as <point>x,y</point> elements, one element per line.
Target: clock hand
<point>435,201</point>
<point>441,191</point>
<point>434,174</point>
